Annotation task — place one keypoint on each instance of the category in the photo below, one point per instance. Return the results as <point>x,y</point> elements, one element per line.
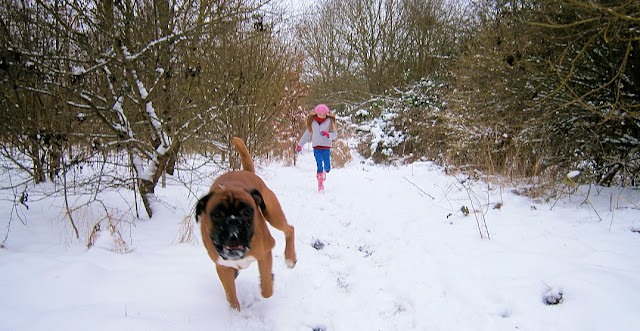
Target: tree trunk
<point>146,193</point>
<point>147,185</point>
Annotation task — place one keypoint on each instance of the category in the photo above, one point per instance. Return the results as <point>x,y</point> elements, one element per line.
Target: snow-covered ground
<point>385,248</point>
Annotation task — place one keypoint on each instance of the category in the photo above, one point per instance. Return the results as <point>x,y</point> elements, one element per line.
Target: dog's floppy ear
<point>201,205</point>
<point>257,197</point>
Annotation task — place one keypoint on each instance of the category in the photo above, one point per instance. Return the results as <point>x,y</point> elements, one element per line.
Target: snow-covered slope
<point>385,248</point>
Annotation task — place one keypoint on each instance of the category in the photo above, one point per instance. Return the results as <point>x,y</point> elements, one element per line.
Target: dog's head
<point>227,218</point>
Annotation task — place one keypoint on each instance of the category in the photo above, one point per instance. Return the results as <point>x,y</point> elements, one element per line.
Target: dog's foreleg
<point>289,248</point>
<point>228,279</point>
<point>289,241</point>
<point>266,277</point>
<point>274,215</point>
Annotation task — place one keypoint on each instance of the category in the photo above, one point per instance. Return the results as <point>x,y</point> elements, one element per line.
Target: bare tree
<point>594,85</point>
<point>118,72</point>
<point>548,85</point>
<point>253,71</point>
<point>362,48</point>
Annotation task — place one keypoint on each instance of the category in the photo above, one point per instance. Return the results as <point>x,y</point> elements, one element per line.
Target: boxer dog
<point>232,221</point>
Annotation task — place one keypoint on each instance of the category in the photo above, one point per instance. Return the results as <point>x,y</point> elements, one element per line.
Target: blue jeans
<point>323,156</point>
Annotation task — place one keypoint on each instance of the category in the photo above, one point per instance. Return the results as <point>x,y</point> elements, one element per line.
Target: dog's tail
<point>245,158</point>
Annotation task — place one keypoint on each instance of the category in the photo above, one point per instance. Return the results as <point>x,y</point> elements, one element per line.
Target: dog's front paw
<point>235,305</point>
<point>291,263</point>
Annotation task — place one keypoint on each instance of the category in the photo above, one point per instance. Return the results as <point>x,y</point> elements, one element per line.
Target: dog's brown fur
<point>246,188</point>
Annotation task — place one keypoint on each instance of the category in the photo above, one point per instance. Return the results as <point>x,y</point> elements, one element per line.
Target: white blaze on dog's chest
<point>237,264</point>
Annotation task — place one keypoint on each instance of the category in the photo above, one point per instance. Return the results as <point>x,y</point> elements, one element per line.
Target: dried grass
<point>187,233</point>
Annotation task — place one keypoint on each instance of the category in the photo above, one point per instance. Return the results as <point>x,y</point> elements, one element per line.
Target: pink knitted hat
<point>321,109</point>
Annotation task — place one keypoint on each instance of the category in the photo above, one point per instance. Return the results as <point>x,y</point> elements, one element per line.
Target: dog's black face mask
<point>232,229</point>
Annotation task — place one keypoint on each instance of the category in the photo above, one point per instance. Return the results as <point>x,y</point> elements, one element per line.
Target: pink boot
<point>320,178</point>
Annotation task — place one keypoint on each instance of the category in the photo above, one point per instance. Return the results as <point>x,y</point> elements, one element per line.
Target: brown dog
<point>233,226</point>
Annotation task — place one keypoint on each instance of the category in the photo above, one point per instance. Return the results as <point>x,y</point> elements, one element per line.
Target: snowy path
<point>374,252</point>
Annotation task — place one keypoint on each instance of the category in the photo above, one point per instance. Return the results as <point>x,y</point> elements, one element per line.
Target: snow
<point>553,296</point>
<point>375,252</point>
<point>573,174</point>
<point>78,70</point>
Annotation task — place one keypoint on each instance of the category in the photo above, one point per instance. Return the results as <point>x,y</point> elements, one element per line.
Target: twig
<point>66,203</point>
<point>480,220</point>
<point>634,204</point>
<point>421,190</point>
<point>611,223</point>
<point>587,200</point>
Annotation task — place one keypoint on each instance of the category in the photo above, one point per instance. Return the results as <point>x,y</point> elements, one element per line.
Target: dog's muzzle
<point>231,248</point>
<point>233,242</point>
<point>233,251</point>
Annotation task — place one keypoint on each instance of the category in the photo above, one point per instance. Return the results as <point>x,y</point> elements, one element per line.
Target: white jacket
<point>314,131</point>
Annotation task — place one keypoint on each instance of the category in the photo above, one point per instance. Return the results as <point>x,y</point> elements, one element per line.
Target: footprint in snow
<point>553,296</point>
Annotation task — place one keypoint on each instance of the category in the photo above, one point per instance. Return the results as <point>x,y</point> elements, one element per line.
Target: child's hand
<point>299,149</point>
<point>325,133</point>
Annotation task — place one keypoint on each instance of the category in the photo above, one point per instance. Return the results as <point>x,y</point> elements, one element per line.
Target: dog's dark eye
<point>246,212</point>
<point>217,214</point>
